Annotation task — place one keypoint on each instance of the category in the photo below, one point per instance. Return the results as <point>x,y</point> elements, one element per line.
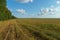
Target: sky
<point>34,8</point>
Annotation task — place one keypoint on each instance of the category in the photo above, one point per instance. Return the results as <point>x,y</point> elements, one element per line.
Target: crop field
<point>30,29</point>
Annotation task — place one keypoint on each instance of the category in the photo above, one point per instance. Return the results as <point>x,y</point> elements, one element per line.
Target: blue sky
<point>34,8</point>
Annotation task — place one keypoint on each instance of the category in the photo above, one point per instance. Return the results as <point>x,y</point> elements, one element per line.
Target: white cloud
<point>21,11</point>
<point>48,11</point>
<point>44,11</point>
<point>24,1</point>
<point>53,12</point>
<point>58,2</point>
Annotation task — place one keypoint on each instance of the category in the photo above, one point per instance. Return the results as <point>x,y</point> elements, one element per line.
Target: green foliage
<point>5,14</point>
<point>2,2</point>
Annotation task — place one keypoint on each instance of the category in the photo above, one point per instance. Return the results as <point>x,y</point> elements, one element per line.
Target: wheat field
<point>30,29</point>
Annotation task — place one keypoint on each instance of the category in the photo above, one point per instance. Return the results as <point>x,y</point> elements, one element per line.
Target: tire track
<point>8,32</point>
<point>7,35</point>
<point>12,35</point>
<point>17,33</point>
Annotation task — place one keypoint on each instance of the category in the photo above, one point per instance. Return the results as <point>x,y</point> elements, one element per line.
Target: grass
<point>30,29</point>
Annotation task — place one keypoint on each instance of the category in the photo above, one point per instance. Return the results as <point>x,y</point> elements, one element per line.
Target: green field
<point>30,29</point>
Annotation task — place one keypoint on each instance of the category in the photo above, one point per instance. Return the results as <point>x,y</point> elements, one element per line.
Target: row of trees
<point>5,14</point>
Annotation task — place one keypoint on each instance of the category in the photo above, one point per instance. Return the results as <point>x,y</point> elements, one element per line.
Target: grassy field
<point>30,29</point>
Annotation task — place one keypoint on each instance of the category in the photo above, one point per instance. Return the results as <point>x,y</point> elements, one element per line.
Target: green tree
<point>5,14</point>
